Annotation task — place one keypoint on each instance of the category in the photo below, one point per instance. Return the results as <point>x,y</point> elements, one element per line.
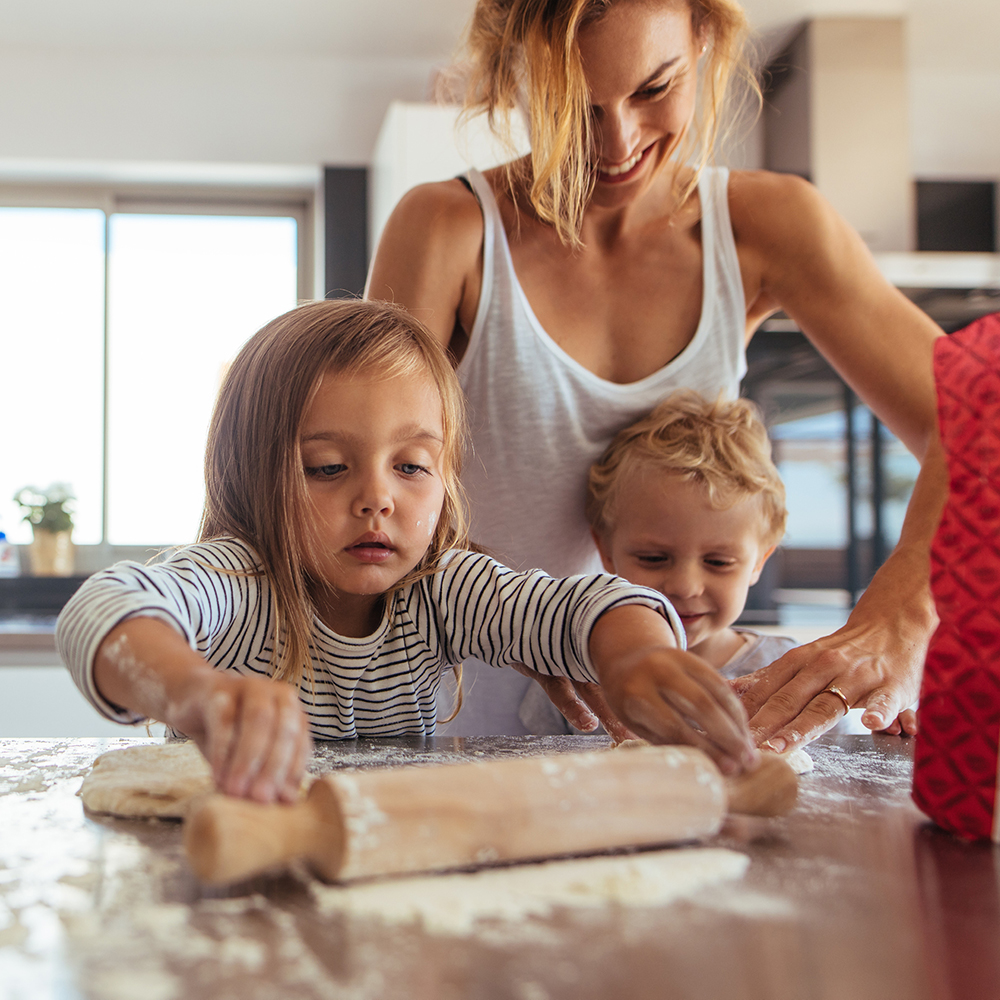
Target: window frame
<point>300,202</point>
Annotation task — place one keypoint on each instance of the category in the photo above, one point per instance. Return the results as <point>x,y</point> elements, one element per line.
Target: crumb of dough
<point>454,904</point>
<point>798,760</point>
<point>142,781</point>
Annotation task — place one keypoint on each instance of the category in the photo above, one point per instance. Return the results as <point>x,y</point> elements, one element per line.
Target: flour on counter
<point>454,904</point>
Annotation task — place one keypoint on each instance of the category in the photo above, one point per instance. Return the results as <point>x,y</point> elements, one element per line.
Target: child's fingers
<point>221,710</point>
<point>256,729</point>
<point>677,698</point>
<point>289,732</point>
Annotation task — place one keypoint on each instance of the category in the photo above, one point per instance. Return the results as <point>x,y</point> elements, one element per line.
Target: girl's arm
<point>665,694</point>
<point>252,731</point>
<point>798,254</point>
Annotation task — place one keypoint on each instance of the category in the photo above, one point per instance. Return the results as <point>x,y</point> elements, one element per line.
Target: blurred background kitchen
<point>172,176</point>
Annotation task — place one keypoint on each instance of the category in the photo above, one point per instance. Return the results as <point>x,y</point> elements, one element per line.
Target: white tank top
<point>539,419</point>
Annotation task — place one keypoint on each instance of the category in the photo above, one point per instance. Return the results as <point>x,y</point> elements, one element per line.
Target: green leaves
<point>47,509</point>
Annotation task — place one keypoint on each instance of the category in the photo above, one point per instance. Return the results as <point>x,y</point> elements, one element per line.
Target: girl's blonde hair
<point>255,485</point>
<point>525,54</point>
<point>722,445</point>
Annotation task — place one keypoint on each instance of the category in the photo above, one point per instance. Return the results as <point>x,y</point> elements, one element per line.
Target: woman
<point>578,286</point>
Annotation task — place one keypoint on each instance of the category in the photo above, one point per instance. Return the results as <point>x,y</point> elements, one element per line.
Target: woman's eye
<point>651,92</point>
<point>324,471</point>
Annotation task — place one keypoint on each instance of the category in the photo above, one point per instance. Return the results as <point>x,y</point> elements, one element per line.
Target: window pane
<point>52,341</point>
<point>185,292</point>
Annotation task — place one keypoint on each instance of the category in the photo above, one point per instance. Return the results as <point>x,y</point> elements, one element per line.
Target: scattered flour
<point>455,904</point>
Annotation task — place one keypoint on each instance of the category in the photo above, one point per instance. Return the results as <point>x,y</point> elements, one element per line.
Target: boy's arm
<point>664,694</point>
<point>252,731</point>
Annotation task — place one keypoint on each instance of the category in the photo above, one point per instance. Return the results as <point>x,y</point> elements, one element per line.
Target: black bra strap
<point>466,182</point>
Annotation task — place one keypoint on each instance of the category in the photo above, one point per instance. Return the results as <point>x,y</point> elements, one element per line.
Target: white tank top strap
<point>538,418</point>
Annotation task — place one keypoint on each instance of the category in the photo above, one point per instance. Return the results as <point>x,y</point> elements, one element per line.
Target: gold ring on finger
<point>834,690</point>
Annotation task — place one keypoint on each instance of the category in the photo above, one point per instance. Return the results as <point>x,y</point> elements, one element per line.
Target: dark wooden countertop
<point>851,896</point>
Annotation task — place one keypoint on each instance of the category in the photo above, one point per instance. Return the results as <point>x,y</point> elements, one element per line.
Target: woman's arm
<point>252,731</point>
<point>877,658</point>
<point>429,258</point>
<point>800,255</point>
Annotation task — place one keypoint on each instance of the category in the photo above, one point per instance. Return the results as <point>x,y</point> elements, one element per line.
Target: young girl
<point>333,560</point>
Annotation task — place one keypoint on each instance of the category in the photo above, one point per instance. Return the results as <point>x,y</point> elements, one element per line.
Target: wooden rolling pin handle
<point>769,790</point>
<point>229,839</point>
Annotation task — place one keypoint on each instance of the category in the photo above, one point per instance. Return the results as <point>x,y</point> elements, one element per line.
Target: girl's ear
<point>604,548</point>
<point>760,564</point>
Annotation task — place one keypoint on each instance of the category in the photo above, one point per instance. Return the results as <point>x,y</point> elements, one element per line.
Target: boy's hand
<point>252,730</point>
<point>667,695</point>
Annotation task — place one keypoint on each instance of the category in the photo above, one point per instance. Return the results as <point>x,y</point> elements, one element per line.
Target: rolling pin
<point>358,824</point>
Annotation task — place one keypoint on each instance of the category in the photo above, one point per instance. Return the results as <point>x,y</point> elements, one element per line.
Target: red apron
<point>955,775</point>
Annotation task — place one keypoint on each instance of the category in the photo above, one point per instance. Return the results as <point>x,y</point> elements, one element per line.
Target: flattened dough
<point>157,780</point>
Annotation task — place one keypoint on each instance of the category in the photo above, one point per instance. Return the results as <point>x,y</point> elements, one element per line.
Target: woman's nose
<point>618,133</point>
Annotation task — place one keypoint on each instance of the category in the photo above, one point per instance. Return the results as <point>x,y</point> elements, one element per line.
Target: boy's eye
<point>651,559</point>
<point>719,563</point>
<point>324,471</point>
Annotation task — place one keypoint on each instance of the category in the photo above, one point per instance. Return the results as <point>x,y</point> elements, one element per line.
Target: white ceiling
<point>959,35</point>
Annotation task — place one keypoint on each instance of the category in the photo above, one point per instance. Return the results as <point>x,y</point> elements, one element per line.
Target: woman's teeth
<point>622,168</point>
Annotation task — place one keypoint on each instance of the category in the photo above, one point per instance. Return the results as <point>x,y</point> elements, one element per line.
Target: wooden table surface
<point>851,896</point>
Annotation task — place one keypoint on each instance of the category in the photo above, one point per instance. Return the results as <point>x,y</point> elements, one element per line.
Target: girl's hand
<point>581,703</point>
<point>251,730</point>
<point>666,695</point>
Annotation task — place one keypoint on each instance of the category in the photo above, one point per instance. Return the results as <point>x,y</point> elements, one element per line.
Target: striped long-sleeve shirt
<point>383,684</point>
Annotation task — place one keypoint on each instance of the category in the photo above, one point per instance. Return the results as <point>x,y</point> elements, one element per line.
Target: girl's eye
<point>324,471</point>
<point>410,468</point>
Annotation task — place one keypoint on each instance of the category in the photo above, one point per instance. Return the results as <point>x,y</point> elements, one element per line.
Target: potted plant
<point>51,521</point>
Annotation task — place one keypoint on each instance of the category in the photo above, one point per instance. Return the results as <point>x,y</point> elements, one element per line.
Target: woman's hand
<point>251,730</point>
<point>666,695</point>
<point>876,660</point>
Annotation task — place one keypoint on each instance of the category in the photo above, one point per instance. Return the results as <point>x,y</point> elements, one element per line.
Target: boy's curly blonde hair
<point>723,445</point>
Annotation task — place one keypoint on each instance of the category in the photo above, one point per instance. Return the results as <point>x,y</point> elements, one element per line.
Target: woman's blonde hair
<point>722,445</point>
<point>255,485</point>
<point>525,54</point>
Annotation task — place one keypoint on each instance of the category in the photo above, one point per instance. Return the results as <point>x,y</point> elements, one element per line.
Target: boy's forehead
<point>668,503</point>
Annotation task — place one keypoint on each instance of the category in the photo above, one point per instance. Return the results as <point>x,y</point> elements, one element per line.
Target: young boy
<point>688,501</point>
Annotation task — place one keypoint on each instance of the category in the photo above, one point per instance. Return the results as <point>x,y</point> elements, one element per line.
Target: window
<point>118,320</point>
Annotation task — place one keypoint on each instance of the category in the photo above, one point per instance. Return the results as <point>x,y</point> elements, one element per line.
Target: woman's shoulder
<point>762,202</point>
<point>438,211</point>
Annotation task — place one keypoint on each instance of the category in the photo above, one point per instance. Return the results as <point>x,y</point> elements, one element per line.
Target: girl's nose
<point>374,498</point>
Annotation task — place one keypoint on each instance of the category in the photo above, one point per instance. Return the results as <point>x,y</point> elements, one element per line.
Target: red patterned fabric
<point>955,776</point>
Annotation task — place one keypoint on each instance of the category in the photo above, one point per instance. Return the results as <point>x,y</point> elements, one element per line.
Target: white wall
<point>246,108</point>
<point>309,82</point>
